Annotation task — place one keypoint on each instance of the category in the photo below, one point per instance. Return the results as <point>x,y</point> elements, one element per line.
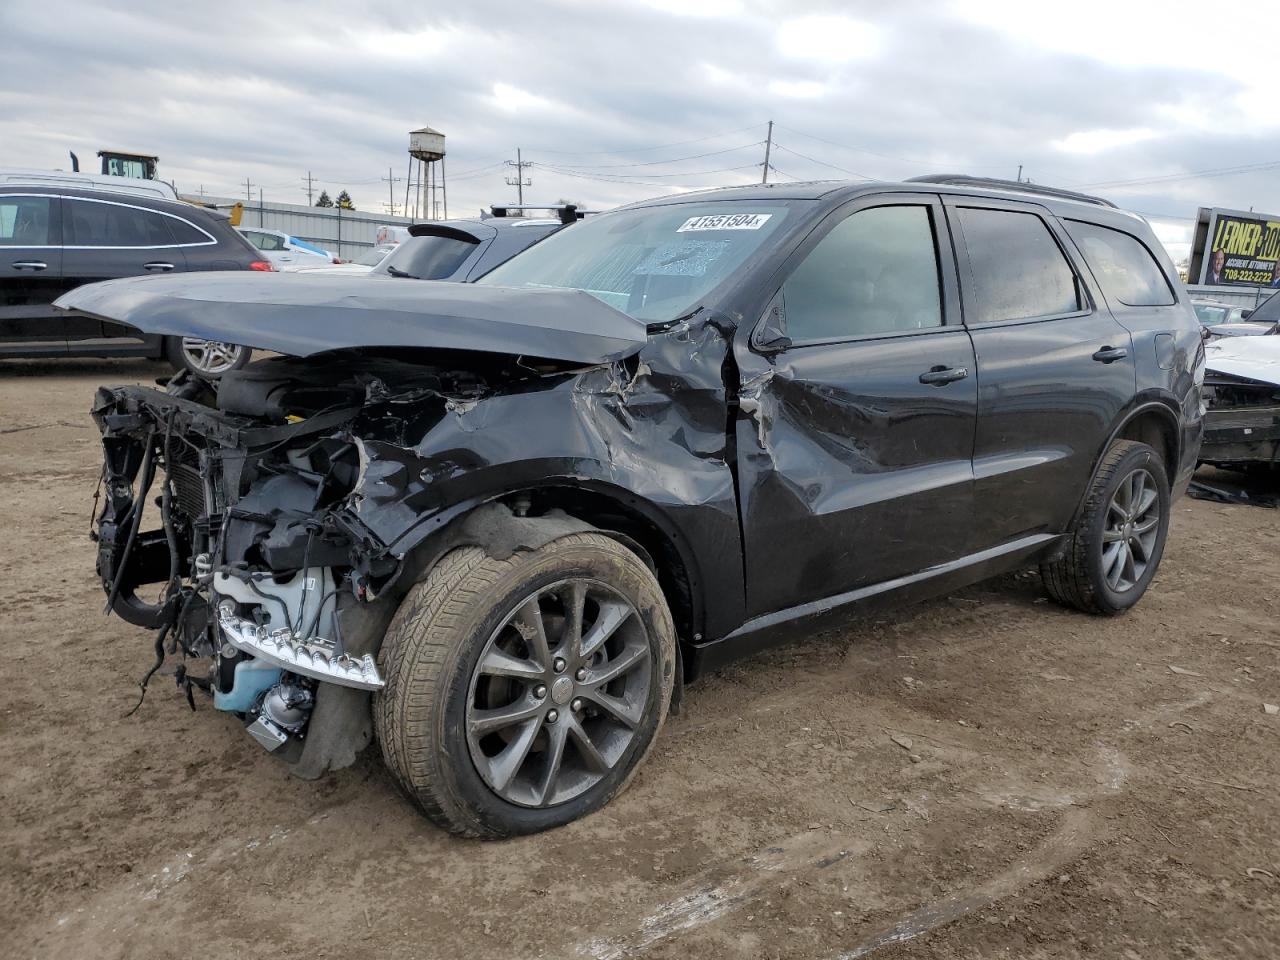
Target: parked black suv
<point>523,513</point>
<point>55,238</point>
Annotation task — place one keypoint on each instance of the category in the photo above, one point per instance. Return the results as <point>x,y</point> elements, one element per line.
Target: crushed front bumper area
<point>1242,422</point>
<point>254,562</point>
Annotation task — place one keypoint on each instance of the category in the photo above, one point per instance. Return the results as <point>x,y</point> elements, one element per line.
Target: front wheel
<point>206,358</point>
<point>523,693</point>
<point>1114,550</point>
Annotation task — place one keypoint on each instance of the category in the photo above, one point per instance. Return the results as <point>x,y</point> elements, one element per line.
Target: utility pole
<point>391,191</point>
<point>768,144</point>
<point>1019,173</point>
<point>519,182</point>
<point>262,217</point>
<point>248,191</point>
<point>310,187</point>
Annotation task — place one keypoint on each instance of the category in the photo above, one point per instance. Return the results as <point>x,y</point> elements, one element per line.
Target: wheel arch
<point>1153,422</point>
<point>637,523</point>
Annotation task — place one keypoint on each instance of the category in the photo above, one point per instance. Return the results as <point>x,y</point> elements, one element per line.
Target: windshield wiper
<point>397,272</point>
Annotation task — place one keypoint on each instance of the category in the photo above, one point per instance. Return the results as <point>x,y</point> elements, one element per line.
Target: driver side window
<point>876,272</point>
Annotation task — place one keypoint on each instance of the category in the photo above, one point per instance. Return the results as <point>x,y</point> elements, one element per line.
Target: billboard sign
<point>1239,249</point>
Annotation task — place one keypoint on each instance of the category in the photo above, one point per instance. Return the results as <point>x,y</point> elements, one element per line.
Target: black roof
<point>835,191</point>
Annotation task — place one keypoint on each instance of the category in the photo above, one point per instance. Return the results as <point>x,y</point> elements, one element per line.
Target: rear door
<point>107,239</point>
<point>855,439</point>
<point>30,274</point>
<point>1055,369</point>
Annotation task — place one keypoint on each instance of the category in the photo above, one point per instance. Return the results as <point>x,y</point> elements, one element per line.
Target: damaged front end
<point>254,556</point>
<point>1242,400</point>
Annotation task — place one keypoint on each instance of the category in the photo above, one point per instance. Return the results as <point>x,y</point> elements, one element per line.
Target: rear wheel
<point>207,358</point>
<point>1114,550</point>
<point>523,693</point>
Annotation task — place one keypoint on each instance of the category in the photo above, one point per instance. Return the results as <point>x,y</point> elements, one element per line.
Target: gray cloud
<point>269,91</point>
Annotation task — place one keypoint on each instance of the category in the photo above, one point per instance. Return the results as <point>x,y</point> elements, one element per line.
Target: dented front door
<point>858,403</point>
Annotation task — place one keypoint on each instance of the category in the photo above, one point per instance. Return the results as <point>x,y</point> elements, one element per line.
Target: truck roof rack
<point>964,180</point>
<point>567,212</point>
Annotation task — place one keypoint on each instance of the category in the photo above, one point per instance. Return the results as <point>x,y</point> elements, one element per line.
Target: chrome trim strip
<point>280,647</point>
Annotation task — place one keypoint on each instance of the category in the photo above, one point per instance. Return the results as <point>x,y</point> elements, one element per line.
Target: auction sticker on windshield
<point>725,221</point>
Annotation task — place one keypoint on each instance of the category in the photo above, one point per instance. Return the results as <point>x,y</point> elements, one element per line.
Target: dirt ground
<point>986,775</point>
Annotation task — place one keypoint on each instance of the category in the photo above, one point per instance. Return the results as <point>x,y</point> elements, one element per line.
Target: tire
<point>1085,575</point>
<point>429,717</point>
<point>209,362</point>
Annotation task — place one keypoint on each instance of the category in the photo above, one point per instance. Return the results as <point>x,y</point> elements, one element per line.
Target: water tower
<point>426,146</point>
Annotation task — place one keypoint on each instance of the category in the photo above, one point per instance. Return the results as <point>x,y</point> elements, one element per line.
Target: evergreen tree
<point>344,201</point>
<point>324,200</point>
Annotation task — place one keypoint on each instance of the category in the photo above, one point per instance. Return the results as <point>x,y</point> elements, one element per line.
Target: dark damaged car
<point>500,526</point>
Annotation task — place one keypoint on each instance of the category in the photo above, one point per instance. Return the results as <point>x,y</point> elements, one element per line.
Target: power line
<point>1191,175</point>
<point>845,146</point>
<point>623,178</point>
<point>658,163</point>
<point>606,178</point>
<point>476,171</point>
<point>823,163</point>
<point>520,182</point>
<point>662,146</point>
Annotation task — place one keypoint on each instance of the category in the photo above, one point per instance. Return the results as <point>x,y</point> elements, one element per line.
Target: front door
<point>30,275</point>
<point>1055,369</point>
<point>855,437</point>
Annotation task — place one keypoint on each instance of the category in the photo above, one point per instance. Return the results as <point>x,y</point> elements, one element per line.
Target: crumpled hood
<point>301,314</point>
<point>1255,358</point>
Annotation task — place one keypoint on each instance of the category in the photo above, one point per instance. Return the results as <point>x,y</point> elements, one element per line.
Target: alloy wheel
<point>1130,531</point>
<point>558,693</point>
<point>212,357</point>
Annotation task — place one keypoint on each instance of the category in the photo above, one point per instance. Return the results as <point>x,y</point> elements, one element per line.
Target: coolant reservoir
<point>250,679</point>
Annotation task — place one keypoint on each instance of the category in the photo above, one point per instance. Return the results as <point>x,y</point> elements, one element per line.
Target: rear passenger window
<point>1019,272</point>
<point>24,221</point>
<point>1123,265</point>
<point>875,273</point>
<point>185,233</point>
<point>94,224</point>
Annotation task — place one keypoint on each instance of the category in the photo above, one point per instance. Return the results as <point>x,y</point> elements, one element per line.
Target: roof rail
<point>963,180</point>
<point>567,212</point>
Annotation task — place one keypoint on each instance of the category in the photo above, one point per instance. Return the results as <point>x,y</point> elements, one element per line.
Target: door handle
<point>29,265</point>
<point>940,376</point>
<point>1110,354</point>
<point>158,265</point>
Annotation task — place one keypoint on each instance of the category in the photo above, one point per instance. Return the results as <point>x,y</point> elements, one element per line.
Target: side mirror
<point>1246,314</point>
<point>770,336</point>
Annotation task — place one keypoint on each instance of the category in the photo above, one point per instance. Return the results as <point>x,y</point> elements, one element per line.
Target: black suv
<point>508,521</point>
<point>55,238</point>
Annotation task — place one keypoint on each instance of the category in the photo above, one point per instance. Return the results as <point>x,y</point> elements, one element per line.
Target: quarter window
<point>876,272</point>
<point>1125,268</point>
<point>113,225</point>
<point>185,233</point>
<point>24,221</point>
<point>1018,270</point>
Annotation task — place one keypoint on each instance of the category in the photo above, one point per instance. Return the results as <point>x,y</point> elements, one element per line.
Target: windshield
<point>1210,315</point>
<point>373,257</point>
<point>1269,312</point>
<point>653,263</point>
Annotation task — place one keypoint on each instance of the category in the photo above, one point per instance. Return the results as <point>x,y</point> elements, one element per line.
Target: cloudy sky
<point>1160,106</point>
